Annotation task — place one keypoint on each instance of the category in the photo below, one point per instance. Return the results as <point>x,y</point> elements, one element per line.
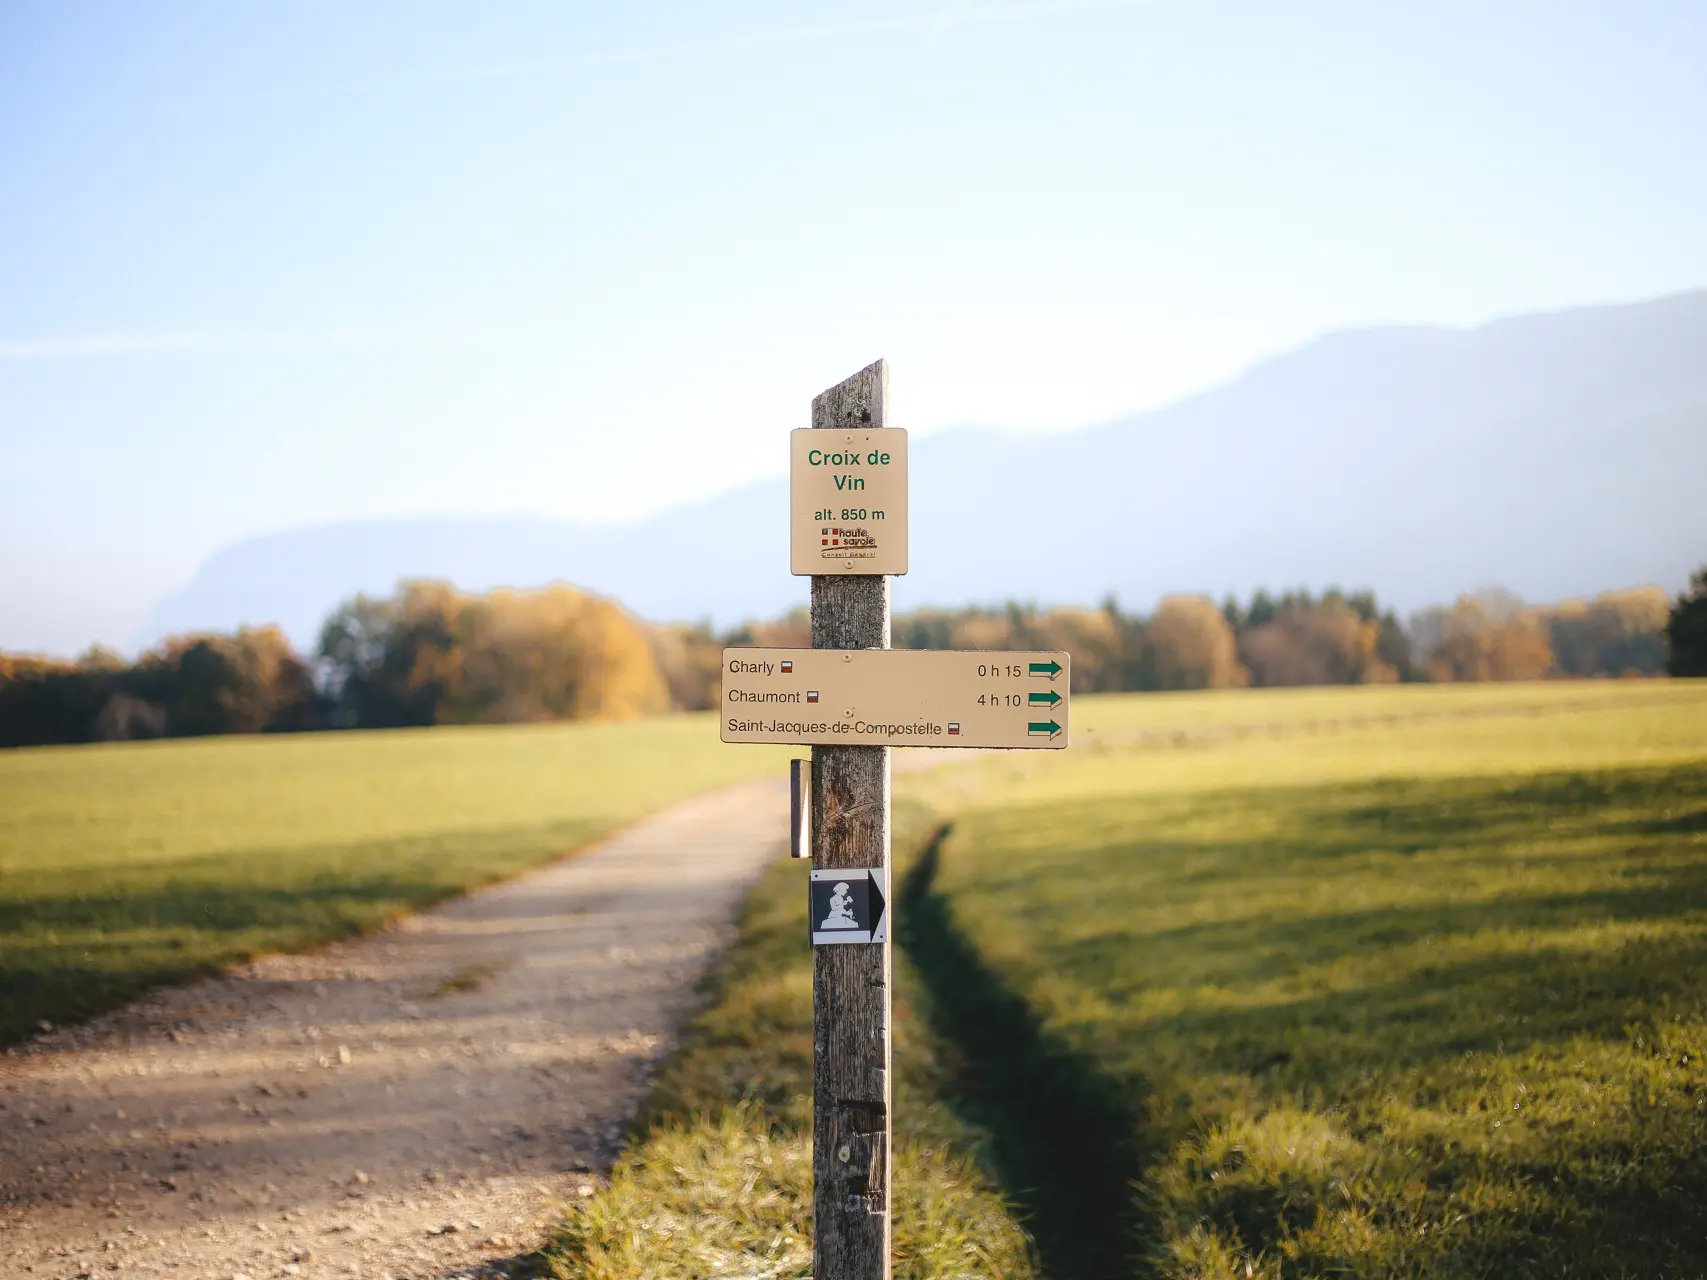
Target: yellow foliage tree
<point>553,654</point>
<point>1191,646</point>
<point>691,660</point>
<point>433,655</point>
<point>1491,637</point>
<point>1325,643</point>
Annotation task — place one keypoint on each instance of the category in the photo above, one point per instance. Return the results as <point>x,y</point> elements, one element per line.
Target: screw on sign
<point>848,511</point>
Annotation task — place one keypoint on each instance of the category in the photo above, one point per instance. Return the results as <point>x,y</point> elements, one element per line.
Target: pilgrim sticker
<point>847,905</point>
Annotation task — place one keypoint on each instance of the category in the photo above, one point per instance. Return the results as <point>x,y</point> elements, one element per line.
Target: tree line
<point>427,654</point>
<point>430,654</point>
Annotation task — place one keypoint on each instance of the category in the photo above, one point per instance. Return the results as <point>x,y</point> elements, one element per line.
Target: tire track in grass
<point>1067,1145</point>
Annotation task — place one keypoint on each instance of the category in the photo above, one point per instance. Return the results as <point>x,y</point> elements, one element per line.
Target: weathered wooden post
<point>850,985</point>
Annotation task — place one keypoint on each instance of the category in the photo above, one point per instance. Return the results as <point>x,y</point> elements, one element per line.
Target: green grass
<point>718,1178</point>
<point>126,866</point>
<point>1382,982</point>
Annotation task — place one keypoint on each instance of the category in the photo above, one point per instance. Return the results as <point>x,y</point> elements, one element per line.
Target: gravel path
<point>421,1102</point>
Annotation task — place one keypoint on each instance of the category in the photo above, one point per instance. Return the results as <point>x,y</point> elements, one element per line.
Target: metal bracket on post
<point>799,808</point>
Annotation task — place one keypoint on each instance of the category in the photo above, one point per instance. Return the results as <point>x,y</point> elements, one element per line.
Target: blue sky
<point>268,266</point>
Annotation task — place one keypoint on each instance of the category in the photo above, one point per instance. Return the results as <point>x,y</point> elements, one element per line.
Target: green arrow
<point>1048,698</point>
<point>1048,727</point>
<point>1051,668</point>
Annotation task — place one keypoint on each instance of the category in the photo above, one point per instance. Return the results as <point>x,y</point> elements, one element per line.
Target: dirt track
<point>411,1104</point>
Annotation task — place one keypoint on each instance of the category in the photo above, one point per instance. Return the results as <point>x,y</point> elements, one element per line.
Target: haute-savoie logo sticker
<point>844,540</point>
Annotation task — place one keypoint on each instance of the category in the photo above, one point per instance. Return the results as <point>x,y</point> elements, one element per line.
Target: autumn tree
<point>1491,636</point>
<point>1330,642</point>
<point>431,655</point>
<point>292,697</point>
<point>690,659</point>
<point>1190,646</point>
<point>554,654</point>
<point>620,679</point>
<point>207,683</point>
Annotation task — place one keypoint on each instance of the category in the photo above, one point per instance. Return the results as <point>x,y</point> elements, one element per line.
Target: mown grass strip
<point>126,866</point>
<point>717,1180</point>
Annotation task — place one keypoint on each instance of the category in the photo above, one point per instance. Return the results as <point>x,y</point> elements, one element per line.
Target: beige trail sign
<point>896,697</point>
<point>847,501</point>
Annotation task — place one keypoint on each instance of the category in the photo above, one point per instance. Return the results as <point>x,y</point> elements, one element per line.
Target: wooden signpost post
<point>848,530</point>
<point>850,984</point>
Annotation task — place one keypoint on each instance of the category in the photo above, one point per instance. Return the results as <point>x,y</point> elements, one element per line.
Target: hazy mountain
<point>1556,454</point>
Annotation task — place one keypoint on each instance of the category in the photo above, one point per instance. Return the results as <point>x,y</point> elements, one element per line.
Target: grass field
<point>1362,983</point>
<point>130,865</point>
<point>1357,982</point>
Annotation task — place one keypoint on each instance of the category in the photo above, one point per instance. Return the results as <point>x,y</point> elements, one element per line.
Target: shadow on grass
<point>1576,852</point>
<point>1066,1143</point>
<point>1490,810</point>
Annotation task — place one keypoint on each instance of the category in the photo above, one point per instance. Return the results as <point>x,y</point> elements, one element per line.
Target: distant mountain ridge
<point>1556,454</point>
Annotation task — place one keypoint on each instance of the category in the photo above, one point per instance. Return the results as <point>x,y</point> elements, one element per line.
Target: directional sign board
<point>848,905</point>
<point>847,501</point>
<point>895,697</point>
